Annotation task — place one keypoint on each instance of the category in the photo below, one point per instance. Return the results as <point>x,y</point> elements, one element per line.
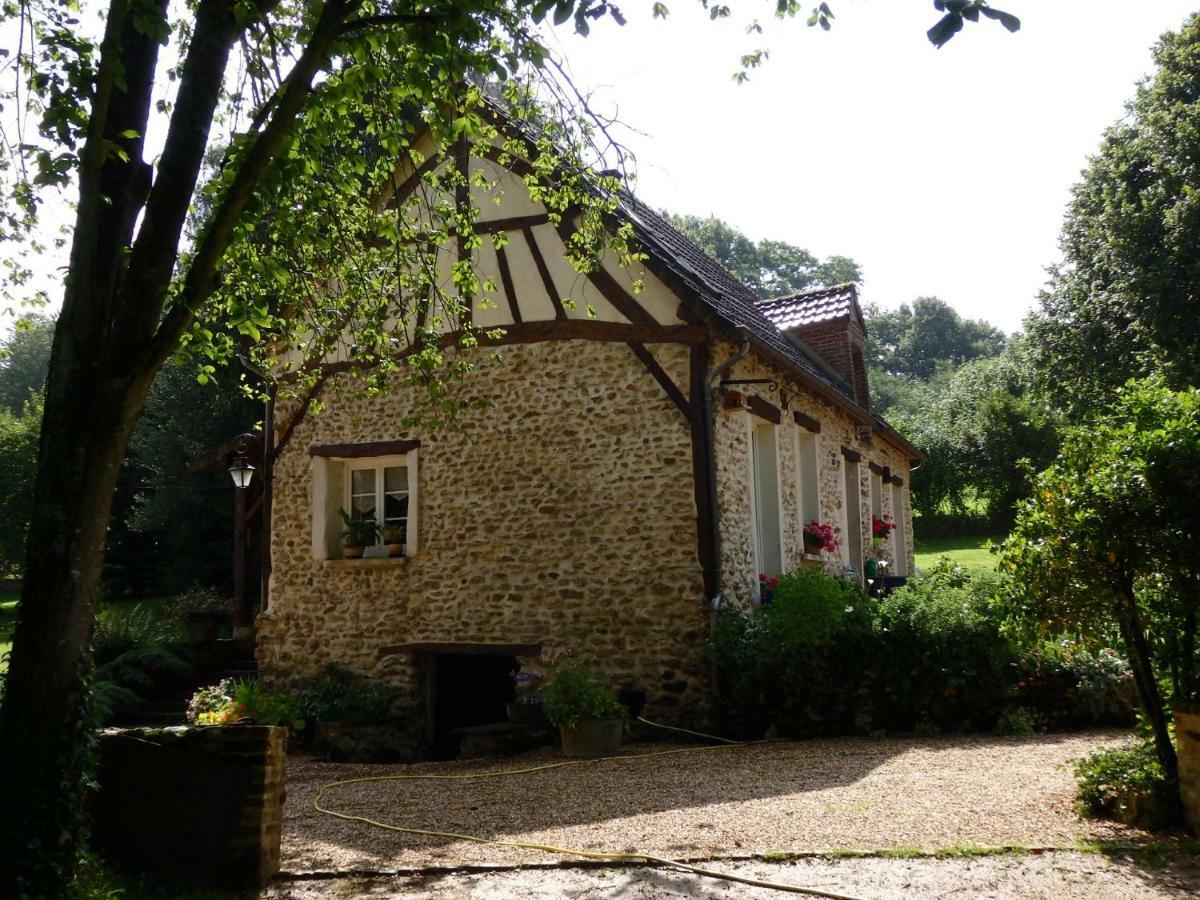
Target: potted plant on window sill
<point>881,527</point>
<point>357,534</point>
<point>393,538</point>
<point>818,537</point>
<point>588,715</point>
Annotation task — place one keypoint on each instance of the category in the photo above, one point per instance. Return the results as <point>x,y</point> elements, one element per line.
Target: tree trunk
<point>1137,648</point>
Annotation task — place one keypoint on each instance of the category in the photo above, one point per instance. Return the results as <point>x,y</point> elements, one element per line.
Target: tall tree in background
<point>1123,302</point>
<point>771,268</point>
<point>913,341</point>
<point>323,108</point>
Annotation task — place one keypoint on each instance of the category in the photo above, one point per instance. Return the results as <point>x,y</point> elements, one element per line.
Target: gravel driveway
<point>789,797</point>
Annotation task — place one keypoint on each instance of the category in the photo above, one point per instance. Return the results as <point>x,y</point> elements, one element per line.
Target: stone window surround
<point>331,491</point>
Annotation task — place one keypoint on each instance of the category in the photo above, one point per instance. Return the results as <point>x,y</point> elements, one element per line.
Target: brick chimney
<point>830,323</point>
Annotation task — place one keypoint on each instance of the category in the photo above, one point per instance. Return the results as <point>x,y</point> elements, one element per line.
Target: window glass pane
<point>362,481</point>
<point>363,507</point>
<point>395,478</point>
<point>395,507</point>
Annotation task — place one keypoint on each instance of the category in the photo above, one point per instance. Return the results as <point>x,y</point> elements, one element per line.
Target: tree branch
<point>200,280</point>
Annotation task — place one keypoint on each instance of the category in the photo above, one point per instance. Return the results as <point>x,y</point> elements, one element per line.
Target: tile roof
<point>721,292</point>
<point>811,306</point>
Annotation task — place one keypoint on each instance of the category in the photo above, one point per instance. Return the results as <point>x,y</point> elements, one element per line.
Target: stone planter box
<point>1187,743</point>
<point>196,807</point>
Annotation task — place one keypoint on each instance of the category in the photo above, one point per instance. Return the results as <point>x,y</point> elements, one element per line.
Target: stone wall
<point>838,430</point>
<point>562,515</point>
<point>191,806</point>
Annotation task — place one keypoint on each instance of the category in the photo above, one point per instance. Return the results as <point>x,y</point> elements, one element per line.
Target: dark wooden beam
<point>459,648</point>
<point>897,481</point>
<point>410,184</point>
<point>513,223</point>
<point>703,477</point>
<point>660,375</point>
<point>560,311</point>
<point>876,468</point>
<point>852,455</point>
<point>808,422</point>
<point>515,164</point>
<point>365,449</point>
<point>514,306</point>
<point>764,410</point>
<point>462,203</point>
<point>624,302</point>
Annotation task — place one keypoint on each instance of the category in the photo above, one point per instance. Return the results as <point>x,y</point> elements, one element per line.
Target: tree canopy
<point>771,268</point>
<point>913,341</point>
<point>1122,302</point>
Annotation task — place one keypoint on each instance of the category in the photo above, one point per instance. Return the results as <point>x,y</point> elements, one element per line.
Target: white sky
<point>942,172</point>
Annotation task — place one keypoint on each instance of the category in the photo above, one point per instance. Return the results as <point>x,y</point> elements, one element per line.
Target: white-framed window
<point>380,488</point>
<point>808,492</point>
<point>764,499</point>
<point>852,549</point>
<point>901,566</point>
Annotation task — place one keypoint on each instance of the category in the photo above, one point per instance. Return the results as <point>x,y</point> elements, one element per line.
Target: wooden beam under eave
<point>664,380</point>
<point>364,449</point>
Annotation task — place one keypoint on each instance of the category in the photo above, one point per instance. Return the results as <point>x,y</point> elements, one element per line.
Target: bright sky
<point>942,172</point>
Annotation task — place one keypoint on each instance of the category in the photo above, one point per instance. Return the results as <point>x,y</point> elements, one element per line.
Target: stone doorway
<point>469,689</point>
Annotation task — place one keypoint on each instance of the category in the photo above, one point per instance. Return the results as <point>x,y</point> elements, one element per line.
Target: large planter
<point>589,738</point>
<point>1187,743</point>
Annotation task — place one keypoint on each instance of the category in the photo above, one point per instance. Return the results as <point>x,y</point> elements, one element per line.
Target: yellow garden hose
<point>724,744</point>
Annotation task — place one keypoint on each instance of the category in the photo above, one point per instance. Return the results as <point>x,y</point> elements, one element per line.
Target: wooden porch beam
<point>662,378</point>
<point>560,311</point>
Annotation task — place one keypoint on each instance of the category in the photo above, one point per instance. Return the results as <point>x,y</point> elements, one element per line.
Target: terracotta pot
<point>812,545</point>
<point>590,738</point>
<point>395,549</point>
<point>1187,742</point>
<point>352,552</point>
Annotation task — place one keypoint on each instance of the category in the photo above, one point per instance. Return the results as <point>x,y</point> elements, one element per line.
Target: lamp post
<point>242,472</point>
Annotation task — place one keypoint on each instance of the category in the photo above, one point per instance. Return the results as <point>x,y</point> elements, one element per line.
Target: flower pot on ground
<point>357,534</point>
<point>1187,745</point>
<point>586,712</point>
<point>203,627</point>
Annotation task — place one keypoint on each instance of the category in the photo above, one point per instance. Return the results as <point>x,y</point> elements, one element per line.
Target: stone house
<point>642,457</point>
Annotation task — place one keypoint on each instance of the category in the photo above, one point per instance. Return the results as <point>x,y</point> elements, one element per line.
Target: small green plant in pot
<point>357,534</point>
<point>394,538</point>
<point>586,712</point>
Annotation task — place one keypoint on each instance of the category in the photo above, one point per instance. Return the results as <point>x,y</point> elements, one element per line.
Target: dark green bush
<point>824,658</point>
<point>1106,777</point>
<point>1073,684</point>
<point>339,695</point>
<point>941,653</point>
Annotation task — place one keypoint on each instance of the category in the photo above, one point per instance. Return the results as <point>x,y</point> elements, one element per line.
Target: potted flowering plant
<point>881,527</point>
<point>818,537</point>
<point>766,588</point>
<point>203,613</point>
<point>526,708</point>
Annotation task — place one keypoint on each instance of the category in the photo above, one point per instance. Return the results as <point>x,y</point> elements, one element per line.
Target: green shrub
<point>573,693</point>
<point>119,630</point>
<point>1020,721</point>
<point>942,652</point>
<point>1072,684</point>
<point>199,601</point>
<point>1105,777</point>
<point>339,695</point>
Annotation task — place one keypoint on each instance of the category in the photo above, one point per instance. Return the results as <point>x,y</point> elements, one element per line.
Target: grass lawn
<point>969,552</point>
<point>8,619</point>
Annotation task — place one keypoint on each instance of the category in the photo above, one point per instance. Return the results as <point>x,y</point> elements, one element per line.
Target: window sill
<point>379,562</point>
